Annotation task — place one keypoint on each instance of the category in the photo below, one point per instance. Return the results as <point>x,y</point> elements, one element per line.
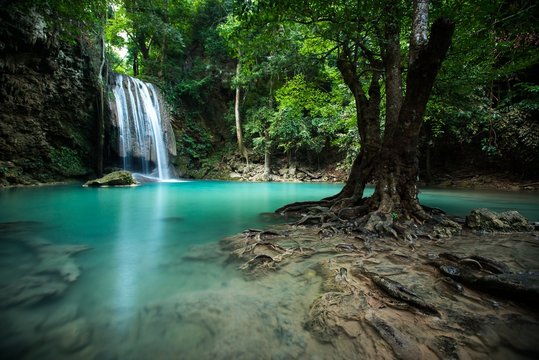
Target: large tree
<point>389,60</point>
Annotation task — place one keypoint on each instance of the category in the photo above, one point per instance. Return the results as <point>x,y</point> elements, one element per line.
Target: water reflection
<point>125,260</point>
<point>138,246</point>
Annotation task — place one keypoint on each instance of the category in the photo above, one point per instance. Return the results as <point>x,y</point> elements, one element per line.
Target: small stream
<point>154,282</point>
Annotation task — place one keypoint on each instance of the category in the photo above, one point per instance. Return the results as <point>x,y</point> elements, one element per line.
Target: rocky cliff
<point>47,101</point>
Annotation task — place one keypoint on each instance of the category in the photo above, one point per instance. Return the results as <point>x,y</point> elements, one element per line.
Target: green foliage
<point>309,118</point>
<point>150,32</point>
<point>487,93</point>
<point>193,142</point>
<point>67,162</point>
<point>259,120</point>
<point>70,19</point>
<point>294,101</point>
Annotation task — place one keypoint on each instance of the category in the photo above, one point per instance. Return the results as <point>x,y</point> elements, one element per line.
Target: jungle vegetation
<point>384,89</point>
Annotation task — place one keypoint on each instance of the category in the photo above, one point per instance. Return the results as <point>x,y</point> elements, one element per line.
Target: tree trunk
<point>368,113</point>
<point>398,167</point>
<point>135,64</point>
<point>267,141</point>
<point>428,165</point>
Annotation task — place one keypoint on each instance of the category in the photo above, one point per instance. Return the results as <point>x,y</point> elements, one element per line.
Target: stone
<point>203,253</point>
<point>48,270</point>
<point>62,265</point>
<point>292,170</point>
<point>47,95</point>
<point>74,336</point>
<point>487,220</point>
<point>64,315</point>
<point>31,290</point>
<point>116,178</point>
<point>446,228</point>
<point>403,346</point>
<point>235,175</point>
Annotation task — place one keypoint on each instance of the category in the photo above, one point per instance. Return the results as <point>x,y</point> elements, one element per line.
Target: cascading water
<point>140,128</point>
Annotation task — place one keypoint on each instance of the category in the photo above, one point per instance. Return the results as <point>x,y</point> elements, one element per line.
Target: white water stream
<point>142,146</point>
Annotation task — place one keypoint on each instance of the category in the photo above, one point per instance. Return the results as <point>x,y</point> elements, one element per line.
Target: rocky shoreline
<point>468,296</point>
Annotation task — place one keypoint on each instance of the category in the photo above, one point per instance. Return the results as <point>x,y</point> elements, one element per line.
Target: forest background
<point>263,87</point>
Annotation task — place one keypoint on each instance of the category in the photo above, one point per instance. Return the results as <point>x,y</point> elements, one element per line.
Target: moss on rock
<point>116,178</point>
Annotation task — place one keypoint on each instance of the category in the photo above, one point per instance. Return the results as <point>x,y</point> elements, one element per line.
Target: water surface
<point>157,242</point>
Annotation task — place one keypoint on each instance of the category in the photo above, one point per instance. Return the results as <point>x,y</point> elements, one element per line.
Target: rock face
<point>508,221</point>
<point>116,178</point>
<point>47,95</point>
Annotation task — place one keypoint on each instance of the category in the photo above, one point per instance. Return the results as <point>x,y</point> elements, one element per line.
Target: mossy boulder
<point>508,221</point>
<point>116,178</point>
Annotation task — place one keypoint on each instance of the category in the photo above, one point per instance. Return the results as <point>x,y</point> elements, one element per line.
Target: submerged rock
<point>30,290</point>
<point>116,178</point>
<point>508,221</point>
<point>47,271</point>
<point>60,317</point>
<point>74,336</point>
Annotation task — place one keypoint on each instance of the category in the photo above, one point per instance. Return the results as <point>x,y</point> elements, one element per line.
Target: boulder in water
<point>508,221</point>
<point>116,178</point>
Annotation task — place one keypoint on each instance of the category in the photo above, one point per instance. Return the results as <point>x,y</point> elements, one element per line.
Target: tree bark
<point>397,173</point>
<point>391,56</point>
<point>135,64</point>
<point>368,113</point>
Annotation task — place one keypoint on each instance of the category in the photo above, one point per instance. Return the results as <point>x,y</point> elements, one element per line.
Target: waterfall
<point>141,129</point>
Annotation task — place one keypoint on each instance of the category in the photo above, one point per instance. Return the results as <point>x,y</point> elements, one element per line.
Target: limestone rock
<point>292,170</point>
<point>31,290</point>
<point>74,336</point>
<point>235,176</point>
<point>508,221</point>
<point>47,96</point>
<point>446,228</point>
<point>62,316</point>
<point>116,178</point>
<point>48,270</point>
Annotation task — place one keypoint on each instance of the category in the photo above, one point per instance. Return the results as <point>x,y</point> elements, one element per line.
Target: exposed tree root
<point>381,299</point>
<point>398,291</point>
<point>364,216</point>
<point>490,276</point>
<point>301,207</point>
<point>348,216</point>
